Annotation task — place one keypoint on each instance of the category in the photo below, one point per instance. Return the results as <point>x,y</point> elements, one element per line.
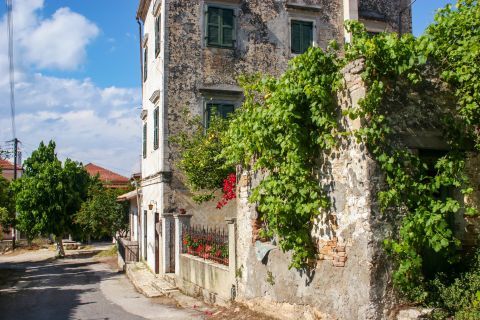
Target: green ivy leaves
<point>282,126</point>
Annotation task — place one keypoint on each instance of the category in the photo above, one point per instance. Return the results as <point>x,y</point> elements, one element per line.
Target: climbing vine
<point>199,148</point>
<point>286,123</point>
<point>415,189</point>
<point>280,130</point>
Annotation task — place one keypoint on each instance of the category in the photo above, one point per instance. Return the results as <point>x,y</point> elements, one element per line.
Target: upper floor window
<point>220,27</point>
<point>219,109</point>
<point>145,64</point>
<point>155,128</point>
<point>144,140</point>
<point>301,36</point>
<point>158,22</point>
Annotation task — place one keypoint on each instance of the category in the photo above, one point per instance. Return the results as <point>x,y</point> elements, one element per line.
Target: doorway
<point>145,235</point>
<point>157,242</point>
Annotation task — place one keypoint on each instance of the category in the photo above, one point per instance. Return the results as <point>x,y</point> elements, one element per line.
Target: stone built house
<point>7,169</point>
<point>192,53</point>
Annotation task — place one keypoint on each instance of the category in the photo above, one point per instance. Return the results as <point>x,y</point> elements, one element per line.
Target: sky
<point>78,79</point>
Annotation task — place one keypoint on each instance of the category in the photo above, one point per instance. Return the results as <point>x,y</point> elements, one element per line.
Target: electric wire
<point>9,7</point>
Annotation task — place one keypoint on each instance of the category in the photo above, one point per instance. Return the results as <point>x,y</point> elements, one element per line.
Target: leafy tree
<point>101,215</point>
<point>200,156</point>
<point>453,41</point>
<point>7,206</point>
<point>49,194</point>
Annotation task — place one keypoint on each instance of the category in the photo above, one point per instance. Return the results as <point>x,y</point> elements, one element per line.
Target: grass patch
<point>112,252</point>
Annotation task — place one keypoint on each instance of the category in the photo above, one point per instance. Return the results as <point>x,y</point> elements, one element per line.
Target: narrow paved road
<point>79,288</point>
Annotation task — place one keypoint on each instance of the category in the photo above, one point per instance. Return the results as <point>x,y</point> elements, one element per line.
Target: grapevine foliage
<point>285,123</point>
<point>282,125</point>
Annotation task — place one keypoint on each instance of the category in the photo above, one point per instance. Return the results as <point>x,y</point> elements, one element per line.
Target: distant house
<point>109,178</point>
<point>7,169</point>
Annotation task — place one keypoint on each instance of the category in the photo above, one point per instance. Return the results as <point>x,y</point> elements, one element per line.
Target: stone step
<point>164,287</point>
<point>170,279</point>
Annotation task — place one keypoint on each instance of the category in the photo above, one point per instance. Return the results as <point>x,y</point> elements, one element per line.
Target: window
<point>430,158</point>
<point>220,109</point>
<point>145,64</point>
<point>145,140</point>
<point>155,128</point>
<point>220,28</point>
<point>158,21</point>
<point>301,36</point>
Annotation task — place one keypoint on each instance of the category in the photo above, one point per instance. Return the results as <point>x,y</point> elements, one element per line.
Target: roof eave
<point>143,9</point>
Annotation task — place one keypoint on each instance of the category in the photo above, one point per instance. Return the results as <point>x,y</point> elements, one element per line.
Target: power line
<point>9,6</point>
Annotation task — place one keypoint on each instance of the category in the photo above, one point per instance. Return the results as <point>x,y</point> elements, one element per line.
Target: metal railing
<point>207,243</point>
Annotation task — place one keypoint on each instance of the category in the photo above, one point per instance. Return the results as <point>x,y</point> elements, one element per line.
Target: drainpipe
<point>139,210</point>
<point>140,37</point>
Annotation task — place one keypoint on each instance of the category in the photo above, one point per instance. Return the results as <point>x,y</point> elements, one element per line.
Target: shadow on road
<point>52,289</point>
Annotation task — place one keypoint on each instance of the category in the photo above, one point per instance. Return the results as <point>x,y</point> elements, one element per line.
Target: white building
<point>192,54</point>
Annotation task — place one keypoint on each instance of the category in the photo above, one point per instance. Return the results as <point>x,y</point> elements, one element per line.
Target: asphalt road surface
<point>78,288</point>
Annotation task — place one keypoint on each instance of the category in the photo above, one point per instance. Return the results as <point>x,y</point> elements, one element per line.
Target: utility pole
<point>15,158</point>
<point>10,29</point>
<point>16,163</point>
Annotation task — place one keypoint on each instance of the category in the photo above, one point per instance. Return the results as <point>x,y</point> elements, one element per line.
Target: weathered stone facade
<point>349,280</point>
<point>196,73</point>
<point>187,73</point>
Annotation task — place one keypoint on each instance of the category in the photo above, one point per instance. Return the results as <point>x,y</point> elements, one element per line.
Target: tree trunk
<point>13,239</point>
<point>60,252</point>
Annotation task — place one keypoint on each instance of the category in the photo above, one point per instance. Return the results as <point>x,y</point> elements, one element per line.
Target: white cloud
<point>88,123</point>
<point>100,127</point>
<point>60,42</point>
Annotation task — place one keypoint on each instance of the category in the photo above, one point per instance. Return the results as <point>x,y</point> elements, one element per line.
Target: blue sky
<point>77,77</point>
<point>423,13</point>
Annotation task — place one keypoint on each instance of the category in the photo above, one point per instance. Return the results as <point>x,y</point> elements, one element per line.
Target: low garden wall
<point>204,278</point>
<point>206,263</point>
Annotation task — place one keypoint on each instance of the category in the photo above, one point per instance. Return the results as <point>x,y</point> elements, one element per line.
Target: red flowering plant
<point>205,246</point>
<point>191,243</point>
<point>229,190</point>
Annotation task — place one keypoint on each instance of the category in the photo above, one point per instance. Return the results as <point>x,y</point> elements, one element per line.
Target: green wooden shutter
<point>222,110</point>
<point>301,36</point>
<point>296,36</point>
<point>226,109</point>
<point>145,64</point>
<point>213,26</point>
<point>145,140</point>
<point>220,27</point>
<point>307,35</point>
<point>155,128</point>
<point>157,36</point>
<point>227,27</point>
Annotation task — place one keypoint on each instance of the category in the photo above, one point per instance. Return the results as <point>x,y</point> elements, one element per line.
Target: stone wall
<point>350,279</point>
<point>352,275</point>
<point>197,73</point>
<point>387,11</point>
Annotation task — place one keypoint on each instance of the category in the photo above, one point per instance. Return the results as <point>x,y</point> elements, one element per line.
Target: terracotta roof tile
<point>106,175</point>
<point>7,165</point>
